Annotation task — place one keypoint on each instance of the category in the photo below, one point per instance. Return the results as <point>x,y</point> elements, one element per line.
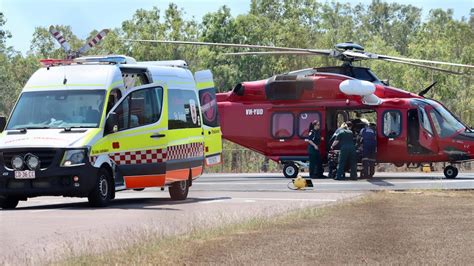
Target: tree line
<point>381,27</point>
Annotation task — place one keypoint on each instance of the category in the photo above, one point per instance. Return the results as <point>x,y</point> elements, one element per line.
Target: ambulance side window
<point>210,115</point>
<point>114,97</point>
<point>183,109</point>
<point>140,108</point>
<point>122,112</point>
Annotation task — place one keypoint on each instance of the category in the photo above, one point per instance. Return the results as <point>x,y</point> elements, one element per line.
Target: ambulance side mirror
<point>3,123</point>
<point>111,124</point>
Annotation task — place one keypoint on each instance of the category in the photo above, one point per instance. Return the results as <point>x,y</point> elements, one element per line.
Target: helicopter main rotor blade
<point>423,61</point>
<point>369,56</point>
<point>94,41</point>
<point>314,51</point>
<point>60,38</point>
<point>365,55</point>
<point>424,66</point>
<point>272,53</point>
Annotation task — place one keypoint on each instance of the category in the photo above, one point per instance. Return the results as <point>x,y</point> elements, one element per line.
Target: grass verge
<point>427,227</point>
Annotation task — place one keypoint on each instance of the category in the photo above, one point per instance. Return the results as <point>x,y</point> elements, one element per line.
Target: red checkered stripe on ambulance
<point>184,151</point>
<point>157,155</point>
<point>137,157</point>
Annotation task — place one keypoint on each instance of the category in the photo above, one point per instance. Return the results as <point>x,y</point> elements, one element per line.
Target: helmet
<point>299,182</point>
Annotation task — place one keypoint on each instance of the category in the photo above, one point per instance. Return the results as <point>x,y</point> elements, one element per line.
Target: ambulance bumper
<point>75,181</point>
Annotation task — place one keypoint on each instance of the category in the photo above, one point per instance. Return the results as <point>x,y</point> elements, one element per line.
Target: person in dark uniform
<point>368,140</point>
<point>345,139</point>
<point>315,160</point>
<point>333,152</point>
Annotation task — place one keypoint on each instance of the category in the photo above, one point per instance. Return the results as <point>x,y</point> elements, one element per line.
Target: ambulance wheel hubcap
<point>103,187</point>
<point>182,185</point>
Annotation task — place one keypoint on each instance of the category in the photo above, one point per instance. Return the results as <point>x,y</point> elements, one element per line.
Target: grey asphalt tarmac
<point>48,228</point>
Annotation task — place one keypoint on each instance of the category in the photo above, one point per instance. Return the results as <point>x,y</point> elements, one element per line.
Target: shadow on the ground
<point>126,204</point>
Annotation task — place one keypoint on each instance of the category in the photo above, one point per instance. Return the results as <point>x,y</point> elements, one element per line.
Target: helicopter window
<point>444,127</point>
<point>362,74</point>
<point>282,125</point>
<point>392,124</point>
<point>424,120</point>
<point>304,119</point>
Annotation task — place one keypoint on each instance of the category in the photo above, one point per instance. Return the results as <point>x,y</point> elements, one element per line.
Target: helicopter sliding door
<point>426,133</point>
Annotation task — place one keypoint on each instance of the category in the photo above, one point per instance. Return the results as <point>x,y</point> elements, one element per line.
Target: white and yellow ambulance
<point>98,125</point>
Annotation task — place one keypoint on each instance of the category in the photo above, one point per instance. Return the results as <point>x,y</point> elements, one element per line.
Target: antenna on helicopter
<point>425,91</point>
<point>67,48</point>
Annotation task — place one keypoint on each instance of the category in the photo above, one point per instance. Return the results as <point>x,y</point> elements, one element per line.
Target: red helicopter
<point>272,116</point>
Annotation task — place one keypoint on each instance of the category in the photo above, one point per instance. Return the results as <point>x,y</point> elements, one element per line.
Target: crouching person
<point>348,154</point>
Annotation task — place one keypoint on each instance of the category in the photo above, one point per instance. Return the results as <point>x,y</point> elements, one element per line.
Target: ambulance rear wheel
<point>8,203</point>
<point>179,190</point>
<point>450,172</point>
<point>290,170</point>
<point>101,195</point>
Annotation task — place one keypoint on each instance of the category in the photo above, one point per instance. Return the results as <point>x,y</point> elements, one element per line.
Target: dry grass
<point>422,227</point>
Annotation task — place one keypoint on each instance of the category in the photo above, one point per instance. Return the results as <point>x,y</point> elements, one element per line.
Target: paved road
<point>47,227</point>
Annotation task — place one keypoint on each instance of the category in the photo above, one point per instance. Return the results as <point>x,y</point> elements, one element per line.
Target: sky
<point>86,15</point>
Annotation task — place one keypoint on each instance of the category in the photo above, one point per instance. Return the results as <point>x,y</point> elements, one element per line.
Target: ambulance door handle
<point>157,135</point>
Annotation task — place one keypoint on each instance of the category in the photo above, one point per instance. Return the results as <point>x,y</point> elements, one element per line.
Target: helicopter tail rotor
<point>60,38</point>
<point>67,48</point>
<point>94,41</point>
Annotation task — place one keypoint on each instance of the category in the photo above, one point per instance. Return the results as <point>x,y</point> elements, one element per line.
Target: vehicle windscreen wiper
<point>68,129</point>
<point>23,130</point>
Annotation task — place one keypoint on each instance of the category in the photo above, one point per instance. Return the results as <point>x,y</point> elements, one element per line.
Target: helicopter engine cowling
<point>362,88</point>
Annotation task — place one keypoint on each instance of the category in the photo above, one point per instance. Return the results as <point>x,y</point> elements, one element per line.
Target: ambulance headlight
<point>73,158</point>
<point>17,162</point>
<point>32,161</point>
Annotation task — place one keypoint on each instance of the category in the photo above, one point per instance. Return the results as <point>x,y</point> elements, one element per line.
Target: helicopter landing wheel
<point>450,172</point>
<point>290,170</point>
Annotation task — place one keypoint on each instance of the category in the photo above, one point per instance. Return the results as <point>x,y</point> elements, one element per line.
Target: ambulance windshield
<point>58,109</point>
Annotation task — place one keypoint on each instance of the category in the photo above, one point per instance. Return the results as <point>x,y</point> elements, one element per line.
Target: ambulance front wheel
<point>101,195</point>
<point>450,172</point>
<point>179,190</point>
<point>290,170</point>
<point>8,203</point>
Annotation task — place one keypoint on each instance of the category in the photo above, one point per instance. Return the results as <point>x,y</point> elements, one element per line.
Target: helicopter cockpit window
<point>282,125</point>
<point>444,126</point>
<point>392,124</point>
<point>304,119</point>
<point>424,120</point>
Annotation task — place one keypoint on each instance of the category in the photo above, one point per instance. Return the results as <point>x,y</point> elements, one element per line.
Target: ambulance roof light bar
<point>110,59</point>
<point>113,59</point>
<point>55,62</point>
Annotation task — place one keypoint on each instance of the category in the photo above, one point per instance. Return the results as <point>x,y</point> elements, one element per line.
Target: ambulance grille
<point>46,156</point>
